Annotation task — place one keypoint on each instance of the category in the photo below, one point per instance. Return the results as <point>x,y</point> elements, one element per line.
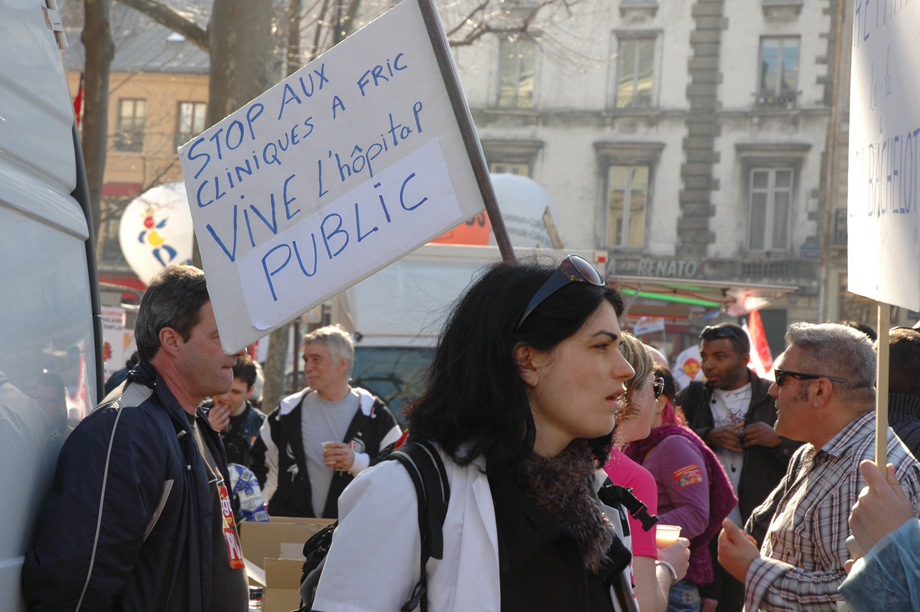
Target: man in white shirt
<point>734,414</point>
<point>313,445</point>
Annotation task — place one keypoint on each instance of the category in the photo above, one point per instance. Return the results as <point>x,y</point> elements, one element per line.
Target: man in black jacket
<point>319,439</point>
<point>138,516</point>
<point>734,414</point>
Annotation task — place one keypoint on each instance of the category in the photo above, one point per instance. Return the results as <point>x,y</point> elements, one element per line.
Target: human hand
<point>678,555</point>
<point>708,605</point>
<point>219,416</point>
<point>848,565</point>
<point>760,434</point>
<point>727,437</point>
<point>881,508</point>
<point>736,550</point>
<point>338,455</point>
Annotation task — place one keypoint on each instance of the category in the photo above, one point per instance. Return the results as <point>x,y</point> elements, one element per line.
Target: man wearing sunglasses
<point>825,397</point>
<point>734,413</point>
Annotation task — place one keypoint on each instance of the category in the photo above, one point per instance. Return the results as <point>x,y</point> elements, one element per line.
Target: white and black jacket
<point>280,463</point>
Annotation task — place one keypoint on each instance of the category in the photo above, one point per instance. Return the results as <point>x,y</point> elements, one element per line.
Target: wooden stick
<point>881,400</point>
<point>467,129</point>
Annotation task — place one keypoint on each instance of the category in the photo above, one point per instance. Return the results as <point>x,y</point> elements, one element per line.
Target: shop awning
<point>681,295</point>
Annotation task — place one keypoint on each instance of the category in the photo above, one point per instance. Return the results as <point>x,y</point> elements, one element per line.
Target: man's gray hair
<point>840,351</point>
<point>173,299</point>
<point>337,341</point>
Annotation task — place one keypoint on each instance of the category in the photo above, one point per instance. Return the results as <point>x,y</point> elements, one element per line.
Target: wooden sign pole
<point>467,129</point>
<point>881,384</point>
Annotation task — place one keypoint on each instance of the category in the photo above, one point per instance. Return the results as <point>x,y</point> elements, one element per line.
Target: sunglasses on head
<point>714,332</point>
<point>573,269</point>
<point>658,387</point>
<point>780,376</point>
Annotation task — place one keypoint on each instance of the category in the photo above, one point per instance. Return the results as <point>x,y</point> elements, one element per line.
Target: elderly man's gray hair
<point>337,341</point>
<point>840,351</point>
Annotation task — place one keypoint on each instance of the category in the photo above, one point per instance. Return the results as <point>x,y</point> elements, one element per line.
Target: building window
<point>131,117</point>
<point>518,63</point>
<point>779,72</point>
<point>191,121</point>
<point>771,208</point>
<point>635,60</point>
<point>521,169</point>
<point>627,201</point>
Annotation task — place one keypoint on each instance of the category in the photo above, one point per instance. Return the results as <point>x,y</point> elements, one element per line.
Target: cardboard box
<point>282,585</point>
<point>281,538</point>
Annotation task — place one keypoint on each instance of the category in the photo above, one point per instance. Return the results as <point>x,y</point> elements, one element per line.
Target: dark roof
<point>142,45</point>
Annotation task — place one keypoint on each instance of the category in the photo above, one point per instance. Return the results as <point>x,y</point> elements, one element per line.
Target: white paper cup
<point>326,445</point>
<point>666,535</point>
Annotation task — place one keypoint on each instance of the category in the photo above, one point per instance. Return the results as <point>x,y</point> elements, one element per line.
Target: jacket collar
<point>287,404</point>
<point>146,374</point>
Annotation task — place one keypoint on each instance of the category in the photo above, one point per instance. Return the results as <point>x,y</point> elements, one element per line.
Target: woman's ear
<point>527,359</point>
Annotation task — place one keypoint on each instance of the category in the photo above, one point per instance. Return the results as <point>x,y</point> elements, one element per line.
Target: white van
<point>49,306</point>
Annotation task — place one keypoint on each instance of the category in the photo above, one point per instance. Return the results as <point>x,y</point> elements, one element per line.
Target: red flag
<point>759,341</point>
<point>78,101</point>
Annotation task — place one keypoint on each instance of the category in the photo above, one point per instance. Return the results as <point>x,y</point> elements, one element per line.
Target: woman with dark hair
<point>521,402</point>
<point>693,490</point>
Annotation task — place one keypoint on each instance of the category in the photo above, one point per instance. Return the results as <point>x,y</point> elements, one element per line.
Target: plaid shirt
<point>801,561</point>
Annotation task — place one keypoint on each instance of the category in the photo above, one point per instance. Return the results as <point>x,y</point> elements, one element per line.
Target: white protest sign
<point>883,224</point>
<point>327,177</point>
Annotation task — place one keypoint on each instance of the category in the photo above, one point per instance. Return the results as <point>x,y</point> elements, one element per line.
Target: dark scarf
<point>721,497</point>
<point>563,486</point>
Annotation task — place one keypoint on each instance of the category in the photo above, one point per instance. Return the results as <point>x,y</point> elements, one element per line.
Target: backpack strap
<point>425,468</point>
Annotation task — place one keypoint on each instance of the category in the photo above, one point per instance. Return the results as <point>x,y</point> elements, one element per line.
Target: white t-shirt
<point>729,408</point>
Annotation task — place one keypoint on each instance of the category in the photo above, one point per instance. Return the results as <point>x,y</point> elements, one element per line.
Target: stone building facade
<point>691,141</point>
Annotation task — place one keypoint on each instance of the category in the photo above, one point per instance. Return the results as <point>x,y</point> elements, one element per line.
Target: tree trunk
<point>241,53</point>
<point>273,371</point>
<point>100,50</point>
<point>293,42</point>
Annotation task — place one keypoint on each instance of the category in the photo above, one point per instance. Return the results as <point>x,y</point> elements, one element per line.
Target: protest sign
<point>113,339</point>
<point>330,175</point>
<point>883,224</point>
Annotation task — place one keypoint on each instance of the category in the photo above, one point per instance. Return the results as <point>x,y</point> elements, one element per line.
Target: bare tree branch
<point>173,19</point>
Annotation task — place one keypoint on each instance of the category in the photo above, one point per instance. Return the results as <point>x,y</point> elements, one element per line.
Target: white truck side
<point>49,307</point>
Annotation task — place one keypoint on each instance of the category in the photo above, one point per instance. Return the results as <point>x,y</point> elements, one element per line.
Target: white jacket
<point>374,560</point>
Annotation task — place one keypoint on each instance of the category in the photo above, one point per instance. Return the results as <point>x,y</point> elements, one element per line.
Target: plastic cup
<point>326,445</point>
<point>666,535</point>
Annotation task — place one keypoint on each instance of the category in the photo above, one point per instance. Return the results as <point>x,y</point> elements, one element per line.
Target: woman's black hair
<point>476,403</point>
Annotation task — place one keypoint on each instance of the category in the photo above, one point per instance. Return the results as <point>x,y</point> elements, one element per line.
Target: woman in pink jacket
<point>693,490</point>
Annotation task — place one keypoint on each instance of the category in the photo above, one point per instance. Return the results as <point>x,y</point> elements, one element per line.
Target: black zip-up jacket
<point>280,442</point>
<point>153,546</point>
<point>763,467</point>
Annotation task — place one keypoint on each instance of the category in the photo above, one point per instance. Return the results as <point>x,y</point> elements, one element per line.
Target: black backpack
<point>428,475</point>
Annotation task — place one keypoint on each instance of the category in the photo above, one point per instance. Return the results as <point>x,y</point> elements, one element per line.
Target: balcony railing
<point>129,140</point>
<point>772,100</point>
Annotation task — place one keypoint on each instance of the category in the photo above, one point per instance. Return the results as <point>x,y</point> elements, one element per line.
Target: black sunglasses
<point>573,269</point>
<point>658,387</point>
<point>714,332</point>
<point>780,376</point>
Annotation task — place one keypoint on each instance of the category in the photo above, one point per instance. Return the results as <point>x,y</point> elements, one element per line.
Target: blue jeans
<point>684,597</point>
